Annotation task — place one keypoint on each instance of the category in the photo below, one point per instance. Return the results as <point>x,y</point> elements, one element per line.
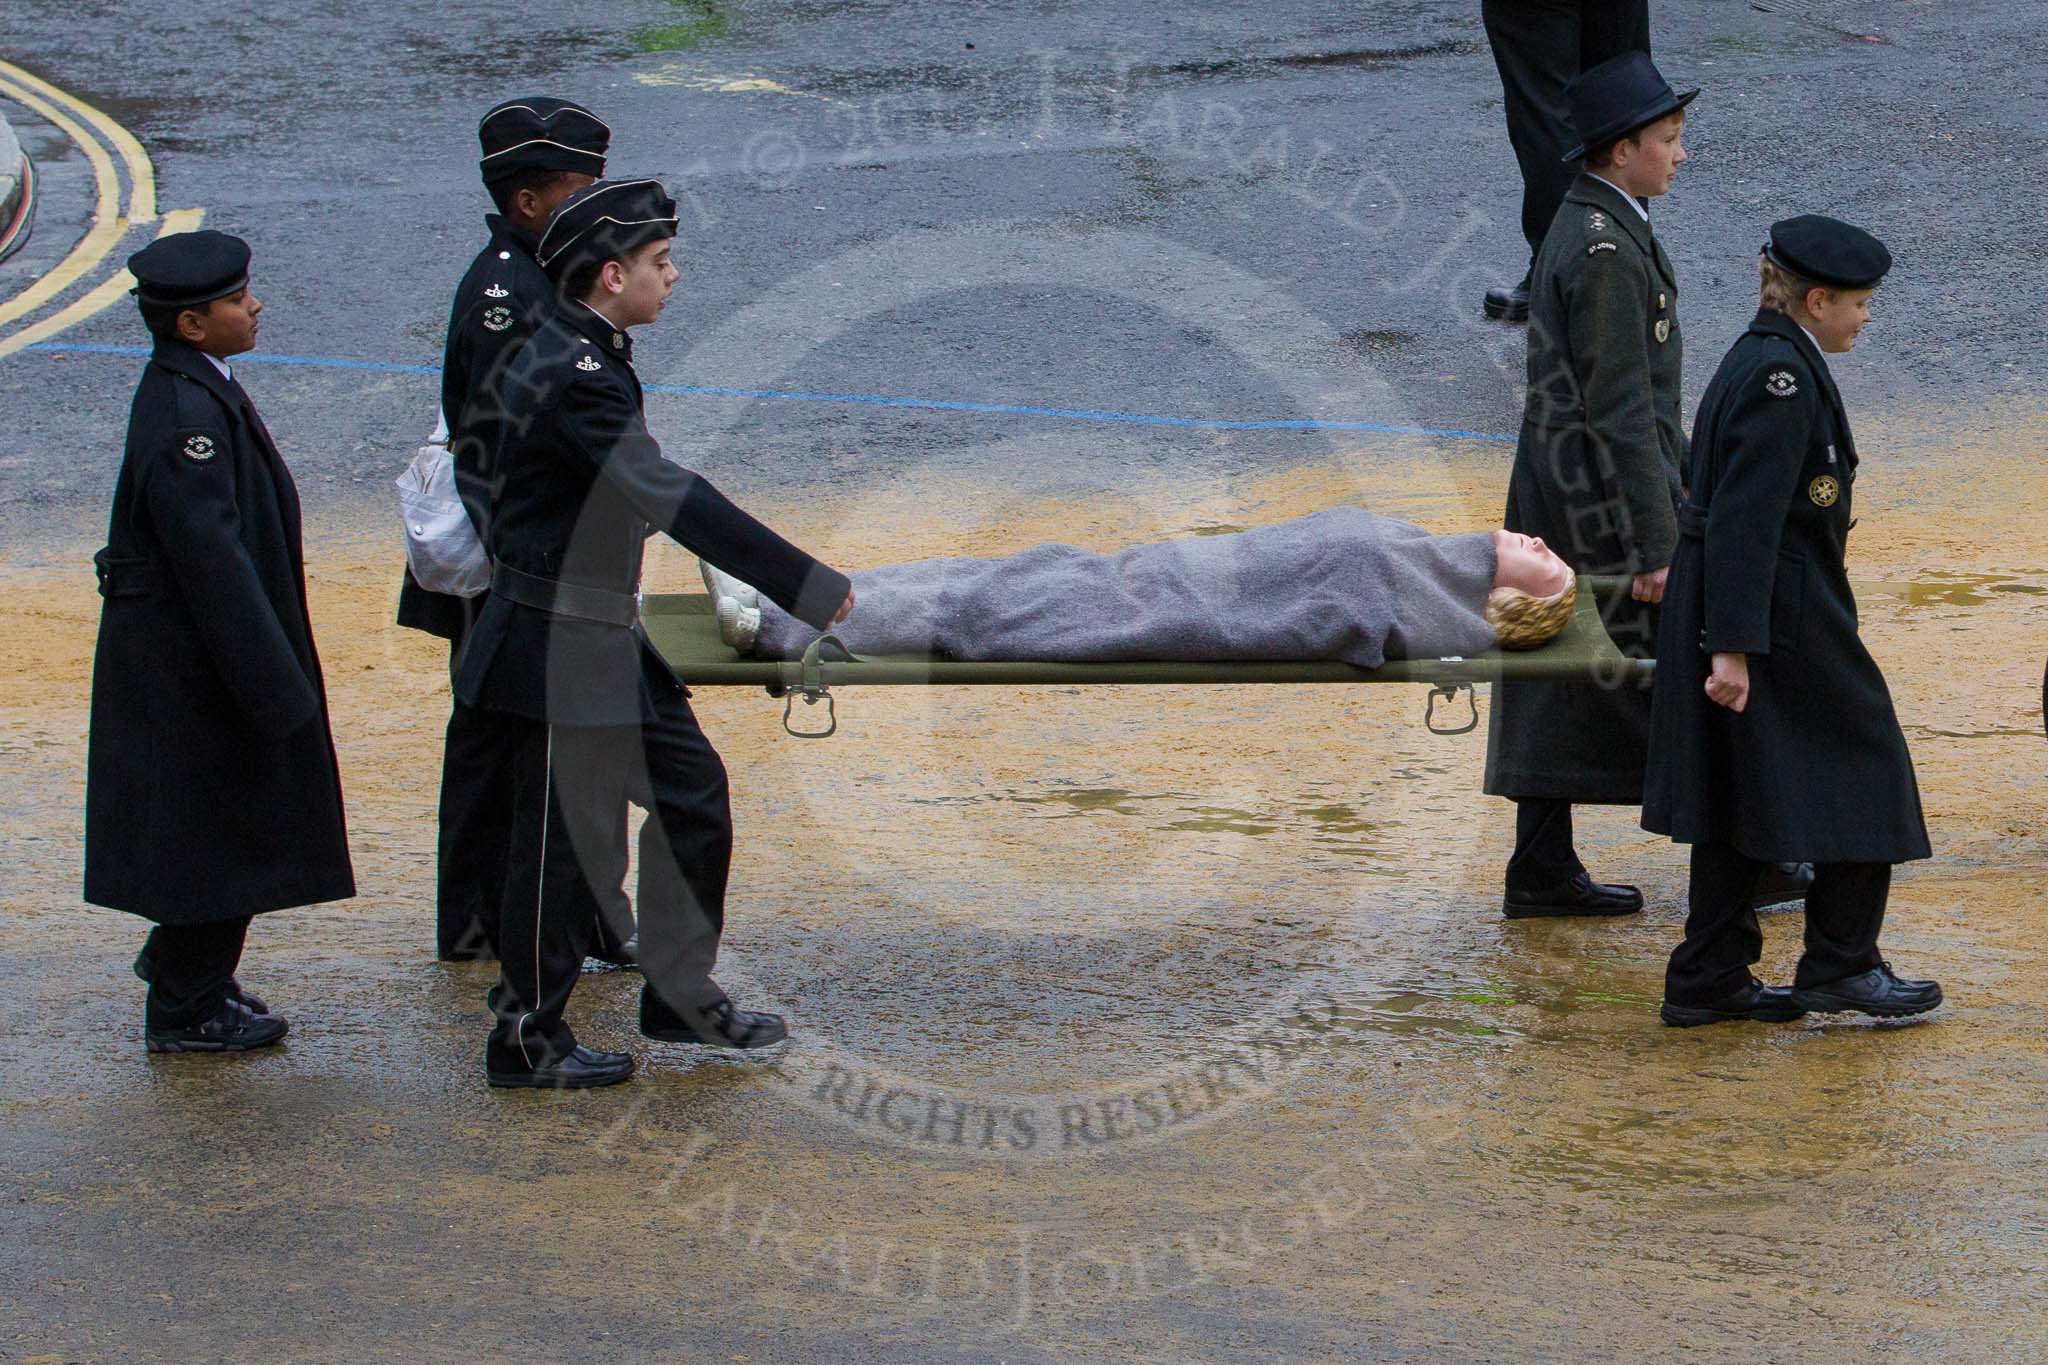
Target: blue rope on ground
<point>864,399</point>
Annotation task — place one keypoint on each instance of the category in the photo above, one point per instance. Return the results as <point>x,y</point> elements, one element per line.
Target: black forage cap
<point>1828,251</point>
<point>1617,97</point>
<point>605,221</point>
<point>541,133</point>
<point>186,269</point>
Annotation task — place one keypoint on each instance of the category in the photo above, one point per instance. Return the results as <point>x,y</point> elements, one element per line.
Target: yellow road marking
<point>141,176</point>
<point>108,225</point>
<point>108,293</point>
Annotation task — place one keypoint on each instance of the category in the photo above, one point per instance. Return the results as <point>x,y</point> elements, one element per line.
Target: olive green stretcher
<point>685,630</point>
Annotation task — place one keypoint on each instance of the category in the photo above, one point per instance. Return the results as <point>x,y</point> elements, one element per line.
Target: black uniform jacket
<point>502,300</point>
<point>211,785</point>
<point>578,484</point>
<point>1596,475</point>
<point>1815,767</point>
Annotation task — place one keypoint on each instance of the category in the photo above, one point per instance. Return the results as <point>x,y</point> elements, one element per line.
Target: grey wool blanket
<point>1342,583</point>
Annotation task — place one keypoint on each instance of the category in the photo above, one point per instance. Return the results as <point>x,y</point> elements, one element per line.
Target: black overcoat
<point>578,484</point>
<point>1815,768</point>
<point>503,298</point>
<point>1596,476</point>
<point>211,785</point>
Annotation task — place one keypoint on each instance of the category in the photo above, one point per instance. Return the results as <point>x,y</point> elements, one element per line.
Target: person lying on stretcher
<point>1342,583</point>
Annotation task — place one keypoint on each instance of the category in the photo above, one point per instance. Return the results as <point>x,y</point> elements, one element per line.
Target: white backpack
<point>441,545</point>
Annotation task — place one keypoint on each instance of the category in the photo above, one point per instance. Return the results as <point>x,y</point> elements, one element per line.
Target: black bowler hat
<point>1828,251</point>
<point>1617,97</point>
<point>541,134</point>
<point>186,269</point>
<point>605,221</point>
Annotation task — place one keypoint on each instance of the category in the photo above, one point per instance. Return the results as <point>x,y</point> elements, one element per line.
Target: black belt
<point>119,576</point>
<point>565,599</point>
<point>1692,521</point>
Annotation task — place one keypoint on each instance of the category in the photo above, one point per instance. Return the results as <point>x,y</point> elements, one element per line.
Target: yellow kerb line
<point>108,226</point>
<point>107,294</point>
<point>141,176</point>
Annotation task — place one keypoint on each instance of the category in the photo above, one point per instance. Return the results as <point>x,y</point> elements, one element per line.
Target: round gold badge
<point>1824,490</point>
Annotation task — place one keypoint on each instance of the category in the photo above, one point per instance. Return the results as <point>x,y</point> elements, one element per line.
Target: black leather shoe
<point>580,1068</point>
<point>1782,883</point>
<point>144,967</point>
<point>1579,896</point>
<point>1772,1004</point>
<point>237,1028</point>
<point>1876,991</point>
<point>1509,304</point>
<point>722,1025</point>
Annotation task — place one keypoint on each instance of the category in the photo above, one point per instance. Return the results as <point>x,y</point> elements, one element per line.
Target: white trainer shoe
<point>720,584</point>
<point>738,626</point>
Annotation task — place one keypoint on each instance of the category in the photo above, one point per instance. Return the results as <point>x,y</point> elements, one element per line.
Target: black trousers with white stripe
<point>569,785</point>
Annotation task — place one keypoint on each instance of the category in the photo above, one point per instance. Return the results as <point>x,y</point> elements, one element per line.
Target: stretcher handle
<point>1449,692</point>
<point>811,686</point>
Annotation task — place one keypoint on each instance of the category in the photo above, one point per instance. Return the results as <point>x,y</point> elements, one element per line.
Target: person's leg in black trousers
<point>1844,915</point>
<point>1722,937</point>
<point>1540,47</point>
<point>1545,877</point>
<point>567,793</point>
<point>685,858</point>
<point>473,840</point>
<point>193,1004</point>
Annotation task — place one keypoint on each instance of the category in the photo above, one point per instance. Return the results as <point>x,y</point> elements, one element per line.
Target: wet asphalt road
<point>1145,209</point>
<point>1157,211</point>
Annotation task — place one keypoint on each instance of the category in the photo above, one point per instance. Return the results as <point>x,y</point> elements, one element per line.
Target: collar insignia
<point>199,448</point>
<point>1782,385</point>
<point>589,365</point>
<point>618,341</point>
<point>497,291</point>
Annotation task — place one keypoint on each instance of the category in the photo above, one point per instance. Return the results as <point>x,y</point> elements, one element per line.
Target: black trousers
<point>1540,46</point>
<point>1844,912</point>
<point>188,970</point>
<point>1544,857</point>
<point>474,844</point>
<point>569,790</point>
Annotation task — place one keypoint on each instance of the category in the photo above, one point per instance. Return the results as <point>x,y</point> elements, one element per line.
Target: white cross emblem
<point>1781,384</point>
<point>497,319</point>
<point>199,448</point>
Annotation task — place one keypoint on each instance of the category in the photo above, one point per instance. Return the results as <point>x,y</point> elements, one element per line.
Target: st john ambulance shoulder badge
<point>497,319</point>
<point>1781,384</point>
<point>199,448</point>
<point>497,291</point>
<point>589,365</point>
<point>1824,490</point>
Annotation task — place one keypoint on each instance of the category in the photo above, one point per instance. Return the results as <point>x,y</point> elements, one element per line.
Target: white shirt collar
<point>219,364</point>
<point>1633,202</point>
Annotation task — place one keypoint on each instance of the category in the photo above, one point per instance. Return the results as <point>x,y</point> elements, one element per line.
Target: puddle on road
<point>1958,590</point>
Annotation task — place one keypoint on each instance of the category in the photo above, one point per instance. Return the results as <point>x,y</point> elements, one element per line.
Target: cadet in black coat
<point>1595,475</point>
<point>212,793</point>
<point>559,656</point>
<point>1772,732</point>
<point>536,152</point>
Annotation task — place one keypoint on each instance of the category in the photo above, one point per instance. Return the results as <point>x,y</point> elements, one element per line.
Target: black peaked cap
<point>185,269</point>
<point>605,221</point>
<point>1617,97</point>
<point>541,134</point>
<point>1828,251</point>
